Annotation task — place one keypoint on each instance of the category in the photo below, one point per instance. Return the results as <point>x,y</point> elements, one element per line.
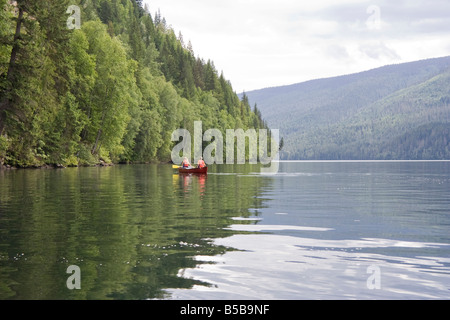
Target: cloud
<point>261,43</point>
<point>337,52</point>
<point>379,51</point>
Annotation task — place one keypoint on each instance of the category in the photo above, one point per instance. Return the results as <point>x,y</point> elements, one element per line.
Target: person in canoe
<point>186,167</point>
<point>185,163</point>
<point>201,164</point>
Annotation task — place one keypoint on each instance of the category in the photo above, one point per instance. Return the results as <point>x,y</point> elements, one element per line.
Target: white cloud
<point>262,43</point>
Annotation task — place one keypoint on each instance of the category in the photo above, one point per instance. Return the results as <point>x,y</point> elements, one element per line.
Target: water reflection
<point>186,182</point>
<point>143,232</point>
<point>286,267</point>
<point>130,229</point>
<point>328,225</point>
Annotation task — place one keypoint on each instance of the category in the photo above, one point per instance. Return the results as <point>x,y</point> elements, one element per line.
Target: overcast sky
<point>262,43</point>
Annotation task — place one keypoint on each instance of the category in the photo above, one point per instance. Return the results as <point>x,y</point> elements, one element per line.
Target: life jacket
<point>185,164</point>
<point>201,164</point>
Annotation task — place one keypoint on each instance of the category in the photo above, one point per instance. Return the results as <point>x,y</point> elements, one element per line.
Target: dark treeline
<point>112,91</point>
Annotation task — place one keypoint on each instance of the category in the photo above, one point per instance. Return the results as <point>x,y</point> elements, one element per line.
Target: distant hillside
<point>394,112</point>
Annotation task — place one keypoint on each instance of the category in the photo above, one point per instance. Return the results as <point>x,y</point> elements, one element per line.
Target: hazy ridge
<point>393,112</point>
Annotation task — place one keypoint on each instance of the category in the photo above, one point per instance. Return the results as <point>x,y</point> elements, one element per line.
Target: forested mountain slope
<point>394,112</point>
<point>113,90</point>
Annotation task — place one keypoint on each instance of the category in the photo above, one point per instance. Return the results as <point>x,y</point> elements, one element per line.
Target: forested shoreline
<point>110,92</point>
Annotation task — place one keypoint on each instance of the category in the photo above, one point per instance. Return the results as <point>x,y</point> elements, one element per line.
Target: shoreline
<point>60,166</point>
<point>107,164</point>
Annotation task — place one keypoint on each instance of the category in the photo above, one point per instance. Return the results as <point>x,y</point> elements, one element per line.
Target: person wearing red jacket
<point>201,163</point>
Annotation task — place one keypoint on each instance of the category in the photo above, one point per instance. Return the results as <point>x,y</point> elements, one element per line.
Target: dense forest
<point>111,91</point>
<point>396,112</point>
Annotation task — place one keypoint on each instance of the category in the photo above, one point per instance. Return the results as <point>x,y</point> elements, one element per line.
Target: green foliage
<point>6,31</point>
<point>4,146</point>
<point>113,91</point>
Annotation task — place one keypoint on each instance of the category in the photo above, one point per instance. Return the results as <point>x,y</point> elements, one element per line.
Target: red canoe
<point>193,170</point>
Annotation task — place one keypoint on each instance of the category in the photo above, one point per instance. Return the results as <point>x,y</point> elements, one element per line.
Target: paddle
<point>175,166</point>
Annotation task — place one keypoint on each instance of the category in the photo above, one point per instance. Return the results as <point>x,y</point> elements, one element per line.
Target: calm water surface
<point>315,230</point>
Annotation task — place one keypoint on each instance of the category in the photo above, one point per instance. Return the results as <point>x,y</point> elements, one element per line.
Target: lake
<point>314,230</point>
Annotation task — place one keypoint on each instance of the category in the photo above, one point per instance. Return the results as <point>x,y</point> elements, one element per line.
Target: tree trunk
<point>94,149</point>
<point>15,49</point>
<point>5,104</point>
